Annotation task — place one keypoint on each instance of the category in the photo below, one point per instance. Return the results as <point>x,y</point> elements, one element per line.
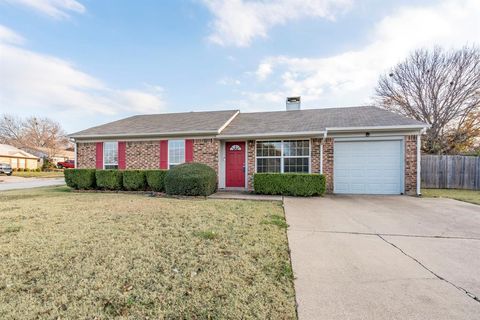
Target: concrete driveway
<point>12,182</point>
<point>374,257</point>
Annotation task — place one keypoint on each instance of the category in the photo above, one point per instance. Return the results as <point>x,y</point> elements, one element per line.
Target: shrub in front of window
<point>83,179</point>
<point>134,180</point>
<point>191,179</point>
<point>109,179</point>
<point>289,184</point>
<point>156,179</point>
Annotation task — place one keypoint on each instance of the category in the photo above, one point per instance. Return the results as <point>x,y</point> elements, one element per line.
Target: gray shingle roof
<point>314,120</point>
<point>249,124</point>
<point>162,124</point>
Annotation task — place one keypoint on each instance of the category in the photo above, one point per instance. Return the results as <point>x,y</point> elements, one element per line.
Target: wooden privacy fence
<point>450,172</point>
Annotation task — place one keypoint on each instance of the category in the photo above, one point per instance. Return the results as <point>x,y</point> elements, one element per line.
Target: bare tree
<point>46,134</point>
<point>42,134</point>
<point>438,87</point>
<point>11,130</point>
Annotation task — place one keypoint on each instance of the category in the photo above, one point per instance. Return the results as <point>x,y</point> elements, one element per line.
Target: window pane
<point>296,148</point>
<point>269,148</point>
<point>111,166</point>
<point>110,154</point>
<point>176,152</point>
<point>299,165</point>
<point>268,165</point>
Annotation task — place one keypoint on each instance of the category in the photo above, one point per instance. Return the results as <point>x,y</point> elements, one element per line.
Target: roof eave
<point>379,128</point>
<point>146,135</point>
<point>272,135</point>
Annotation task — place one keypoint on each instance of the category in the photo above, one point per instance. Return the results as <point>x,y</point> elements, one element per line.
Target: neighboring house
<point>17,158</point>
<point>59,155</point>
<point>363,150</point>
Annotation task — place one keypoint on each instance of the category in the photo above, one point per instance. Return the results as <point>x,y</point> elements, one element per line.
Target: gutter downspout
<point>321,151</point>
<point>75,155</point>
<point>419,160</point>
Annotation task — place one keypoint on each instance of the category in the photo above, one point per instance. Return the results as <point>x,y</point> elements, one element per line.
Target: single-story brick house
<point>16,158</point>
<point>364,150</point>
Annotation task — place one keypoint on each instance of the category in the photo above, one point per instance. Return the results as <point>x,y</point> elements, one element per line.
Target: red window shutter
<point>121,155</point>
<point>189,150</point>
<point>164,154</point>
<point>99,156</point>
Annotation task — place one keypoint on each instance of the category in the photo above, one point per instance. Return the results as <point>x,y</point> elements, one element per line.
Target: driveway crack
<point>389,234</point>
<point>468,293</point>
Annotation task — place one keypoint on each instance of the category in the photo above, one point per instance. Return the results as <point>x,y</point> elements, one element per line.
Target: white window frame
<point>168,156</point>
<point>282,157</point>
<point>104,153</point>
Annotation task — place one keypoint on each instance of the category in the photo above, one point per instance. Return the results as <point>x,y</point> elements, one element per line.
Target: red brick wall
<point>328,163</point>
<point>315,155</point>
<point>206,151</point>
<point>86,155</point>
<point>250,163</point>
<point>146,154</point>
<point>411,164</point>
<point>142,155</point>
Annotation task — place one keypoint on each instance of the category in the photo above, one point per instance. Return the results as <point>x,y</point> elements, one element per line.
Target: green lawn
<point>34,174</point>
<point>462,195</point>
<point>97,256</point>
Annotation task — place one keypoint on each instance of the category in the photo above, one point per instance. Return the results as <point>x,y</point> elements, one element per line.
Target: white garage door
<point>368,167</point>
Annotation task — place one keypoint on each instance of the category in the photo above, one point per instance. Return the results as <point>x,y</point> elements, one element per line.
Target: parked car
<point>66,164</point>
<point>5,168</point>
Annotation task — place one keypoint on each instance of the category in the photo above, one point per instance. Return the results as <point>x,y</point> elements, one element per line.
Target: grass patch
<point>34,174</point>
<point>207,235</point>
<point>12,229</point>
<point>471,196</point>
<point>96,255</point>
<point>276,220</point>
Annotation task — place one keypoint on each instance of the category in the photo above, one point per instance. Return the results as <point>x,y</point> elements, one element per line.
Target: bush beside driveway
<point>87,255</point>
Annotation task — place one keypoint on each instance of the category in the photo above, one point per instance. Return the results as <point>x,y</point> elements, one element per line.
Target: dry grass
<point>43,174</point>
<point>472,196</point>
<point>87,256</point>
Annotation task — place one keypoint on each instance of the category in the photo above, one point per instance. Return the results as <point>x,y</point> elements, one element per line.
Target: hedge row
<point>189,179</point>
<point>289,184</point>
<point>133,180</point>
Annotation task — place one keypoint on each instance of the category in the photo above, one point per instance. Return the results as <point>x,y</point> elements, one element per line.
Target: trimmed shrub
<point>191,179</point>
<point>109,179</point>
<point>156,179</point>
<point>38,170</point>
<point>134,180</point>
<point>48,165</point>
<point>80,178</point>
<point>289,184</point>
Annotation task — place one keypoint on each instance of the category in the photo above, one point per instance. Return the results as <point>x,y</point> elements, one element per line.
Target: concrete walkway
<point>364,257</point>
<point>14,183</point>
<point>242,195</point>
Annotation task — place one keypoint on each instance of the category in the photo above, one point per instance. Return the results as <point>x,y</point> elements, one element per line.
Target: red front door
<point>235,164</point>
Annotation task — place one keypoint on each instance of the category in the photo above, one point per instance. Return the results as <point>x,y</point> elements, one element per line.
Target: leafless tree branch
<point>438,87</point>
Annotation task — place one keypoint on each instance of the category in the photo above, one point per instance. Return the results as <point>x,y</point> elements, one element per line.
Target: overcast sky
<point>86,62</point>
